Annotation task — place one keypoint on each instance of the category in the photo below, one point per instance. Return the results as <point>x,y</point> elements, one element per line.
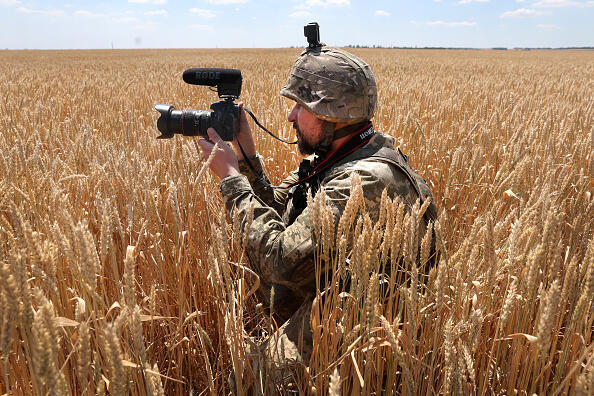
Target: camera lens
<point>188,122</point>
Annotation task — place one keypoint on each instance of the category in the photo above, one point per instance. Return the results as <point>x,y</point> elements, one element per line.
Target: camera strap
<point>264,128</point>
<point>309,172</point>
<point>356,140</point>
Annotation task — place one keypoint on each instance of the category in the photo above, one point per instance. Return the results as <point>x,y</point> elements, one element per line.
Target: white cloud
<point>521,13</point>
<point>550,27</point>
<point>200,27</point>
<point>40,12</point>
<point>125,19</point>
<point>224,2</point>
<point>89,14</point>
<point>156,12</point>
<point>203,13</point>
<point>562,3</point>
<point>382,13</point>
<point>451,24</point>
<point>326,3</point>
<point>10,2</point>
<point>300,14</point>
<point>472,1</point>
<point>148,1</point>
<point>322,3</point>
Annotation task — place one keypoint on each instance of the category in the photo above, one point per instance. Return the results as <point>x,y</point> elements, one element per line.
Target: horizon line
<point>351,46</point>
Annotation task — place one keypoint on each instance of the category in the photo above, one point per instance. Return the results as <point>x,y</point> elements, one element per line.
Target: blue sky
<point>266,23</point>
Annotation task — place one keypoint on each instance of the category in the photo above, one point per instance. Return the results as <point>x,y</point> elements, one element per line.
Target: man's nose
<point>292,117</point>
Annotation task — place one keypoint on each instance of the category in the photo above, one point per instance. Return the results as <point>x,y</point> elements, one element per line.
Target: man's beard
<point>304,147</point>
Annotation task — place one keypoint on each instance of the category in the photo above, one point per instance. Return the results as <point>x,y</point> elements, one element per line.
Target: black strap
<point>400,160</point>
<point>357,139</point>
<point>396,159</point>
<point>259,177</point>
<point>266,130</point>
<point>350,129</point>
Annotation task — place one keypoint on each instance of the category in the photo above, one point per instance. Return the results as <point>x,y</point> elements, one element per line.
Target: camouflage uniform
<point>336,87</point>
<point>282,254</point>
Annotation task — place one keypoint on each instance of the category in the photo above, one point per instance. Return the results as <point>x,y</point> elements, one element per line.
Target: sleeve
<point>273,197</point>
<point>284,255</point>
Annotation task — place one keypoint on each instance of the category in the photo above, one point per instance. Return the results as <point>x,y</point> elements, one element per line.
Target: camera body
<point>225,114</point>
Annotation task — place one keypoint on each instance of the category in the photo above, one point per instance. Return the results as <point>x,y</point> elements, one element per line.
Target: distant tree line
<point>465,48</point>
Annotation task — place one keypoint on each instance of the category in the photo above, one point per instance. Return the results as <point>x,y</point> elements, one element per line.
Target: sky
<point>80,24</point>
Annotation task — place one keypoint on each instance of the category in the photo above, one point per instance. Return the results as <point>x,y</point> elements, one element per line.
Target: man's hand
<point>224,162</point>
<point>244,136</point>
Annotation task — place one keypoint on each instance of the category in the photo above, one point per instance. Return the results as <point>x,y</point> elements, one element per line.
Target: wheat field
<point>121,273</point>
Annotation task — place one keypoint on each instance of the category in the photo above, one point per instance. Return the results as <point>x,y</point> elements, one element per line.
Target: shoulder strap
<point>400,160</point>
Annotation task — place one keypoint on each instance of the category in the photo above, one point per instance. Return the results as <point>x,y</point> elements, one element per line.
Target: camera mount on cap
<point>312,32</point>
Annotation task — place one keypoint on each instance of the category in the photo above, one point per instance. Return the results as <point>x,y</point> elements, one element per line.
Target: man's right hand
<point>244,137</point>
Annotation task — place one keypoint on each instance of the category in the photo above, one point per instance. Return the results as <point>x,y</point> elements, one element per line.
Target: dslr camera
<point>225,114</point>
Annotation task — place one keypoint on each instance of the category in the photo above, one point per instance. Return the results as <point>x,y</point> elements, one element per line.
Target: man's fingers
<point>213,135</point>
<point>243,113</point>
<point>206,147</point>
<point>223,161</point>
<point>205,144</point>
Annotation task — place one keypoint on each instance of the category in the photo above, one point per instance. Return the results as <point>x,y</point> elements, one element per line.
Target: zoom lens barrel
<point>224,118</point>
<point>188,122</point>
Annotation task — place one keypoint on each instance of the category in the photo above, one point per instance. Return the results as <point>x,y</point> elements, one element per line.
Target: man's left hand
<point>225,161</point>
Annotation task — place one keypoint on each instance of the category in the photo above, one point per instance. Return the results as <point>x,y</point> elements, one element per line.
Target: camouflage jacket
<point>282,254</point>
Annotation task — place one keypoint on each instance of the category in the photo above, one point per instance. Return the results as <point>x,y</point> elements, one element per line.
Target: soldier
<point>335,99</point>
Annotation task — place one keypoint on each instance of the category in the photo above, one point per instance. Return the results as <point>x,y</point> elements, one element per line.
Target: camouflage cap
<point>333,84</point>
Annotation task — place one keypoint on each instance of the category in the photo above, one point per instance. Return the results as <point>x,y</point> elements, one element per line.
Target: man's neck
<point>337,143</point>
<point>340,141</point>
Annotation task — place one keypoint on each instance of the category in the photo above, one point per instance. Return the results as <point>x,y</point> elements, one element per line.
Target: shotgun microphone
<point>227,81</point>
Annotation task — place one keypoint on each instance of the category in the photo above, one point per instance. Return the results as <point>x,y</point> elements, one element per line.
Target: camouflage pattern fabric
<point>333,84</point>
<point>283,255</point>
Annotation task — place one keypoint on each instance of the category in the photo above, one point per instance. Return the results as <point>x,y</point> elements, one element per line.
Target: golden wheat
<point>120,271</point>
